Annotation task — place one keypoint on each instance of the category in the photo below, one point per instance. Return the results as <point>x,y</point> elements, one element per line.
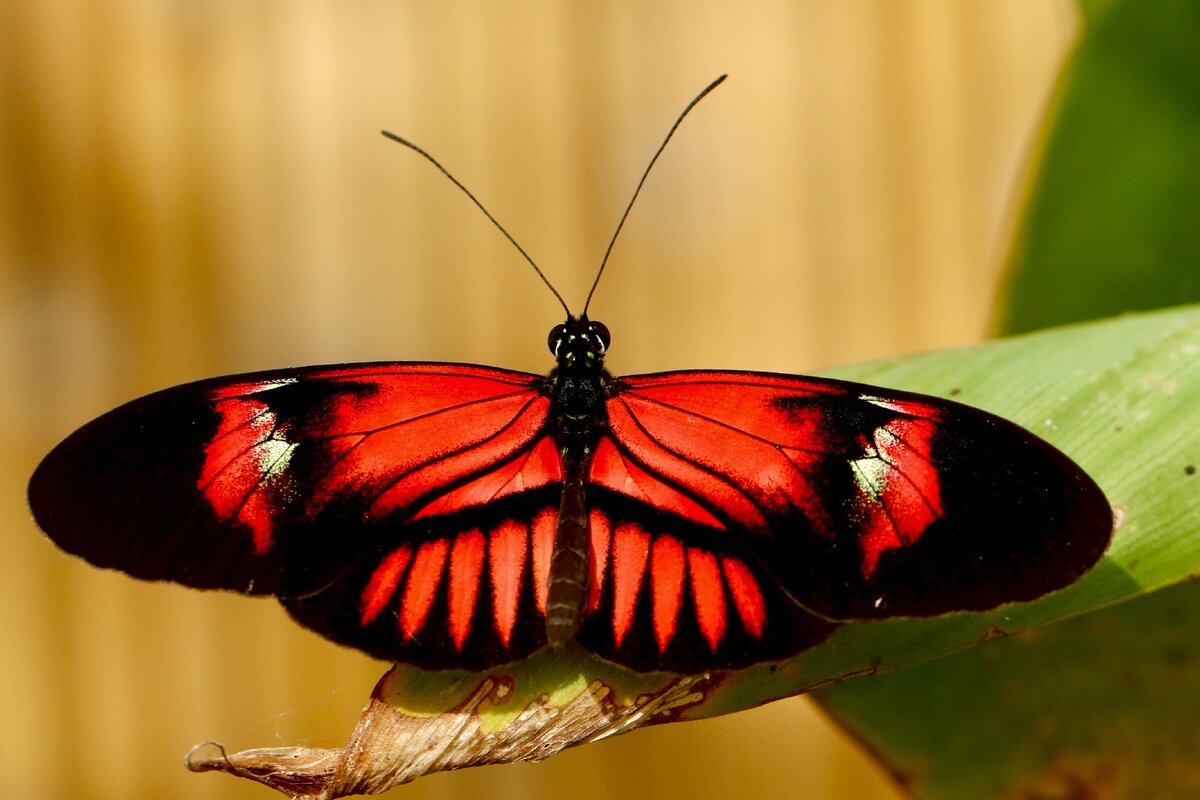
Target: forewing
<point>280,482</point>
<point>858,501</point>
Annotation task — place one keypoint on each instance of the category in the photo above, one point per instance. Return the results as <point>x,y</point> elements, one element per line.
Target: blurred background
<point>194,188</point>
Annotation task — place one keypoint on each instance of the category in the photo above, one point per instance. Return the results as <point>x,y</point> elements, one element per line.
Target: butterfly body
<point>578,388</point>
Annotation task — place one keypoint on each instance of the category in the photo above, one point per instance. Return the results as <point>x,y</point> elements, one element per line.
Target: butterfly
<point>461,516</point>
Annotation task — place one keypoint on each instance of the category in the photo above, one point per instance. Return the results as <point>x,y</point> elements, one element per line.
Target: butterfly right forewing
<point>863,502</point>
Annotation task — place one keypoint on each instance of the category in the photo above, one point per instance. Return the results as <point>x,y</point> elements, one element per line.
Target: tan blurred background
<point>191,188</point>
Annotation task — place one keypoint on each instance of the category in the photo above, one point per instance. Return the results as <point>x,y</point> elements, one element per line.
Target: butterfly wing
<point>855,501</point>
<point>409,510</point>
<point>368,498</point>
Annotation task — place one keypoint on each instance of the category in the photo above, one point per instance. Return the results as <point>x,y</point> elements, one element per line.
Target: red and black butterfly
<point>459,516</point>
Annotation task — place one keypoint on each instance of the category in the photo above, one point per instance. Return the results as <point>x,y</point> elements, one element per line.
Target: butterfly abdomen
<point>569,564</point>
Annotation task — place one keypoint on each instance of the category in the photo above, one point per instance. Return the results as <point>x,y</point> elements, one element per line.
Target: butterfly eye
<point>602,334</point>
<point>555,339</point>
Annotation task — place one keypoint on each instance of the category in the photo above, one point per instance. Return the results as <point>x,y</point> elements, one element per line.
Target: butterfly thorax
<point>578,385</point>
<point>578,388</point>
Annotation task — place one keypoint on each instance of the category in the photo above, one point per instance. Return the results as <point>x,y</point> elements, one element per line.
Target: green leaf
<point>1102,705</point>
<point>1097,705</point>
<point>1112,223</point>
<point>1049,713</point>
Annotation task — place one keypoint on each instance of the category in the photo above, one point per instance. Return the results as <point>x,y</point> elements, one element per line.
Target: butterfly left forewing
<point>271,482</point>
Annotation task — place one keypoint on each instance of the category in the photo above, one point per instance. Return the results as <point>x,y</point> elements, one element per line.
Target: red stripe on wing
<point>384,581</point>
<point>747,596</point>
<point>406,469</point>
<point>667,569</point>
<point>709,595</point>
<point>475,597</point>
<point>667,599</point>
<point>466,567</point>
<point>630,551</point>
<point>381,435</point>
<point>601,536</point>
<point>537,468</point>
<point>455,600</point>
<point>508,553</point>
<point>542,531</point>
<point>421,588</point>
<point>244,466</point>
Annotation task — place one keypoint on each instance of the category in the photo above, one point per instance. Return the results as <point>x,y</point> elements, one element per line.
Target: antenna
<point>636,191</point>
<point>486,213</point>
<point>620,224</point>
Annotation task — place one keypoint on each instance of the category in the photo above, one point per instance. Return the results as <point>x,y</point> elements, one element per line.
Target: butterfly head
<point>579,343</point>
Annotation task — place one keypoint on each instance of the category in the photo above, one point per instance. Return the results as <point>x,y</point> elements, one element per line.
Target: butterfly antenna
<point>645,174</point>
<point>486,213</point>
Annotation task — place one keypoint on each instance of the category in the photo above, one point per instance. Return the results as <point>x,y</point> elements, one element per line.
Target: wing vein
<point>524,449</point>
<point>779,448</point>
<point>680,487</point>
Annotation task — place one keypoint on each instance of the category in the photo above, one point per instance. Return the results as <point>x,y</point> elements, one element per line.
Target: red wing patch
<point>630,553</point>
<point>750,449</point>
<point>508,554</point>
<point>466,569</point>
<point>709,590</point>
<point>383,439</point>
